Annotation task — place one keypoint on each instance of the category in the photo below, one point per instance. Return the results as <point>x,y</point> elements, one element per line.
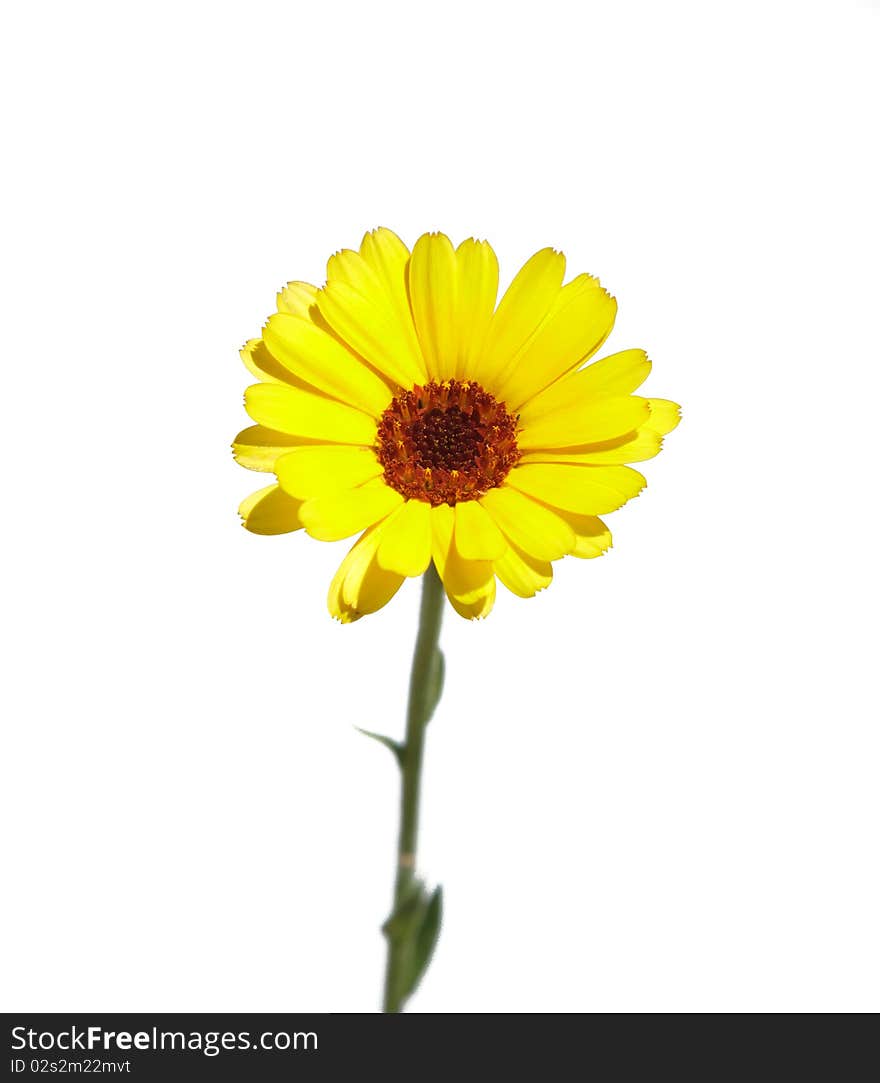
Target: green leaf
<point>428,934</point>
<point>403,922</point>
<point>434,691</point>
<point>394,746</point>
<point>414,927</point>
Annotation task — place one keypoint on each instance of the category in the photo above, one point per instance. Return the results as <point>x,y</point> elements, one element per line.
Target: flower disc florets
<point>446,442</point>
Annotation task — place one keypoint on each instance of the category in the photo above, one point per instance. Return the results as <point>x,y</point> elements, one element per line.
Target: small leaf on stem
<point>394,746</point>
<point>414,928</point>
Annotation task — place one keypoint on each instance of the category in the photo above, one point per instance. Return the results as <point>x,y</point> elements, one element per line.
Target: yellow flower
<point>400,404</point>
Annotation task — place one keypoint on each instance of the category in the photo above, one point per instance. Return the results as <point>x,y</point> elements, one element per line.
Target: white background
<point>652,788</point>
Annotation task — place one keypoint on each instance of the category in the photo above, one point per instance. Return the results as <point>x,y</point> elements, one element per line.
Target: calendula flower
<point>400,404</point>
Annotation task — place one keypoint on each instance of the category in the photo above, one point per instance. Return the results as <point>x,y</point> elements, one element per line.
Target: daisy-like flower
<point>400,404</point>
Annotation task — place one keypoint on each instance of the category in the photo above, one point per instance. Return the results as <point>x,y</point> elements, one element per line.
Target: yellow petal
<point>618,374</point>
<point>360,586</point>
<point>336,604</point>
<point>442,527</point>
<point>406,539</point>
<point>470,588</point>
<point>365,302</point>
<point>588,490</point>
<point>258,361</point>
<point>322,361</point>
<point>270,511</point>
<point>373,330</point>
<point>593,538</point>
<point>257,448</point>
<point>387,256</point>
<point>576,420</point>
<point>432,280</point>
<point>297,298</point>
<point>349,268</point>
<point>469,584</point>
<point>575,327</point>
<point>477,267</point>
<point>301,413</point>
<point>633,448</point>
<point>452,294</point>
<point>574,392</point>
<point>521,574</point>
<point>341,514</point>
<point>524,305</point>
<point>665,415</point>
<point>530,526</point>
<point>369,587</point>
<point>305,472</point>
<point>476,535</point>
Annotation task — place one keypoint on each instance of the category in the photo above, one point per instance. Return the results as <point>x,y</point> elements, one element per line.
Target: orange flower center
<point>445,442</point>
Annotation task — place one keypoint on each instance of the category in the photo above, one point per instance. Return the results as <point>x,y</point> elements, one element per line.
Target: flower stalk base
<point>414,924</point>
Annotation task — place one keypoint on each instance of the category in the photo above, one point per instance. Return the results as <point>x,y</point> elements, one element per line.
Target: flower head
<point>400,404</point>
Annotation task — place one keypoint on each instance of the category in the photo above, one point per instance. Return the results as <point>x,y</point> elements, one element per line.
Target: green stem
<point>417,715</point>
